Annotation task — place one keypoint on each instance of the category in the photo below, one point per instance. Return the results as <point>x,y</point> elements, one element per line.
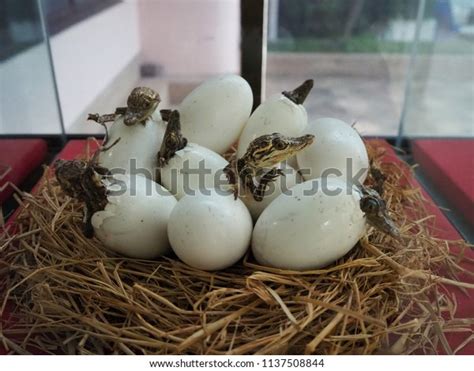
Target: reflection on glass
<point>19,26</point>
<point>27,100</point>
<point>102,49</point>
<point>161,44</point>
<point>358,52</point>
<point>441,99</point>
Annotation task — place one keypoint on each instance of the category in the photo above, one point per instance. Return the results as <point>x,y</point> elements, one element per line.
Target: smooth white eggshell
<point>334,143</point>
<point>214,113</point>
<point>280,185</point>
<point>135,220</point>
<point>210,232</point>
<point>136,151</point>
<point>310,228</point>
<point>178,180</point>
<point>277,114</point>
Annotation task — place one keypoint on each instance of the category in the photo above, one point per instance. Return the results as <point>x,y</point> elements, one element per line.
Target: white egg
<point>338,151</point>
<point>210,232</point>
<point>280,185</point>
<point>193,169</point>
<point>214,113</point>
<point>136,151</point>
<point>277,114</point>
<point>311,228</point>
<point>135,220</point>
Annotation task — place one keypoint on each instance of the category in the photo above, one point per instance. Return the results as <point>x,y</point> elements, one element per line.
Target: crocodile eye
<point>370,205</point>
<point>149,102</point>
<point>171,142</point>
<point>279,145</point>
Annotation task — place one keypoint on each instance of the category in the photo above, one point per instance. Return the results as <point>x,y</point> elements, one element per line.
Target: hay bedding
<point>70,296</point>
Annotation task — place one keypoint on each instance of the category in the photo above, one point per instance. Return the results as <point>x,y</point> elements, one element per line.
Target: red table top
<point>449,164</point>
<point>443,229</point>
<point>18,158</point>
<point>77,147</point>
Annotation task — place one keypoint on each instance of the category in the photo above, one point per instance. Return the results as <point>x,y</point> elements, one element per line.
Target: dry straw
<point>69,295</point>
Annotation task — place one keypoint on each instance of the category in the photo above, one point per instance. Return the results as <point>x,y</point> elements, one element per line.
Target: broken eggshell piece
<point>135,152</point>
<point>135,219</point>
<point>192,170</point>
<point>187,168</point>
<point>282,113</point>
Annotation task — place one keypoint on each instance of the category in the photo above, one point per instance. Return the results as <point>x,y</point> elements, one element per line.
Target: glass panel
<point>170,46</point>
<point>356,51</point>
<point>61,14</point>
<point>27,99</point>
<point>441,99</point>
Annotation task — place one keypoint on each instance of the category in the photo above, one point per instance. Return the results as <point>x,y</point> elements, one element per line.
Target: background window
<point>366,70</point>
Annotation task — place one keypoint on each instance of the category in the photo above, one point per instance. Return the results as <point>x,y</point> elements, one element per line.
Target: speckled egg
<point>192,170</point>
<point>338,151</point>
<point>318,223</point>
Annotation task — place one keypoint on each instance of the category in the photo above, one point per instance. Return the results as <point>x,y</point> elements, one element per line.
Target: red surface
<point>18,158</point>
<point>449,164</point>
<point>442,228</point>
<point>77,147</point>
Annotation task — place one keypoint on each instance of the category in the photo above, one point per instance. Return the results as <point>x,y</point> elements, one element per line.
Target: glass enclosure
<point>440,100</point>
<point>395,67</point>
<point>28,101</point>
<point>100,50</point>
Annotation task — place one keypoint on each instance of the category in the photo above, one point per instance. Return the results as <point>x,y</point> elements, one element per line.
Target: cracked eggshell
<point>210,232</point>
<point>310,228</point>
<point>279,186</point>
<point>335,143</point>
<point>135,220</point>
<point>277,114</point>
<point>138,143</point>
<point>180,174</point>
<point>214,114</point>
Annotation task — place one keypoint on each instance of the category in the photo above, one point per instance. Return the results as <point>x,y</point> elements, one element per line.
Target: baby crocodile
<point>262,153</point>
<point>173,140</point>
<point>376,213</point>
<point>82,180</point>
<point>141,104</point>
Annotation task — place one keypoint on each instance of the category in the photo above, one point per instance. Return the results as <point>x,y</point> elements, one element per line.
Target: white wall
<point>191,38</point>
<point>87,57</point>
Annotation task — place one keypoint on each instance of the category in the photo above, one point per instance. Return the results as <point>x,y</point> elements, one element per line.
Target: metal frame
<point>45,31</point>
<point>253,19</point>
<point>410,72</point>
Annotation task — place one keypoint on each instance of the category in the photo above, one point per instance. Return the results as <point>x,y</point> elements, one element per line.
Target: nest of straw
<point>71,296</point>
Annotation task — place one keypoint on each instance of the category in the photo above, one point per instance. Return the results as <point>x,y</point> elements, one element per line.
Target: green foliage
<point>328,18</point>
<point>368,44</point>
